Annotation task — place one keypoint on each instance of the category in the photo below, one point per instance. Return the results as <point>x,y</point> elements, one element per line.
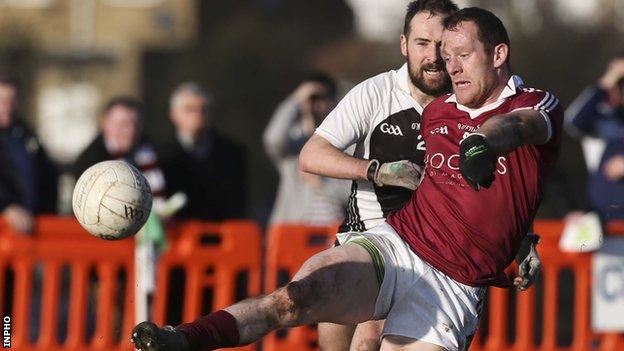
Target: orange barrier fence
<point>85,287</point>
<point>62,245</point>
<point>212,257</point>
<point>289,246</point>
<point>101,280</point>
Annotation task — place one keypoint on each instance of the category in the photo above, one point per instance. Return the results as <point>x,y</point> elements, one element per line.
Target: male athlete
<point>427,268</point>
<point>382,117</point>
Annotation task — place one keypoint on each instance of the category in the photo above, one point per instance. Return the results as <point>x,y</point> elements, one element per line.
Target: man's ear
<point>501,52</point>
<point>404,45</point>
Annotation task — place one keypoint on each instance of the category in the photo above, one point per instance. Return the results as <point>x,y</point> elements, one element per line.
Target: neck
<point>502,77</point>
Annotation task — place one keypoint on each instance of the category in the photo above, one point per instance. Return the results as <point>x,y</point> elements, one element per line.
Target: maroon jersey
<point>468,235</point>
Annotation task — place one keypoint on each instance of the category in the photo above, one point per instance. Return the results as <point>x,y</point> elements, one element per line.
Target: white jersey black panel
<point>381,118</point>
<point>396,138</point>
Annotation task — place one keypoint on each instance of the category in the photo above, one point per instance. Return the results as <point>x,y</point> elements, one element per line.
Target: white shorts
<point>417,300</point>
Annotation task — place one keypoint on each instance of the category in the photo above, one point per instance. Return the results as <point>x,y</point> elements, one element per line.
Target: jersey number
<point>421,143</point>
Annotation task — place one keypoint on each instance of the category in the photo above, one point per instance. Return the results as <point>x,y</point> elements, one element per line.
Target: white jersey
<point>382,119</point>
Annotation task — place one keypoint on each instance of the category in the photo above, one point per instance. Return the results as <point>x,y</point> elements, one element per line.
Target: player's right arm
<point>320,157</point>
<point>347,124</point>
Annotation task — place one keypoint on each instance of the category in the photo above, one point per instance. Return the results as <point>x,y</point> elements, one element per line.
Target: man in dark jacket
<point>200,162</point>
<point>28,180</point>
<point>121,139</point>
<point>599,113</point>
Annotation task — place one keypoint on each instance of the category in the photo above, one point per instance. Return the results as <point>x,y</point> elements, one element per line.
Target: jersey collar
<point>510,90</point>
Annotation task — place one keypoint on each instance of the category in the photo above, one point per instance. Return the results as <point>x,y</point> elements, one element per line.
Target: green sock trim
<point>378,260</point>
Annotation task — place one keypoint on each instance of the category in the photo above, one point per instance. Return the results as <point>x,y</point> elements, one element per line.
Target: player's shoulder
<point>530,97</point>
<point>373,90</point>
<point>382,82</point>
<point>526,91</point>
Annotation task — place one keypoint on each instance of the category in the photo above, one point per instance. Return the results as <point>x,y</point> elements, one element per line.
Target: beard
<point>431,87</point>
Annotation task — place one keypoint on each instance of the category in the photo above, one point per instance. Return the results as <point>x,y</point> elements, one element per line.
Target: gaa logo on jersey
<point>391,129</point>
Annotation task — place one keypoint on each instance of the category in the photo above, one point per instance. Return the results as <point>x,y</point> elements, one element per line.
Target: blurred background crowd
<point>215,99</point>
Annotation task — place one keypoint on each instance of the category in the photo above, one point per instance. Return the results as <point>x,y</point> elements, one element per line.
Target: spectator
<point>303,197</point>
<point>200,162</point>
<point>28,185</point>
<point>121,139</point>
<point>599,113</point>
<point>28,180</point>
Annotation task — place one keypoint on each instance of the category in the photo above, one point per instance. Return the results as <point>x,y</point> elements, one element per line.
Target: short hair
<point>490,29</point>
<point>325,80</point>
<point>189,87</point>
<point>441,7</point>
<point>126,101</point>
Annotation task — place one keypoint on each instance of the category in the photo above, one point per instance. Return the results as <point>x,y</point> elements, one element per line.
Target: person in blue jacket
<point>598,112</point>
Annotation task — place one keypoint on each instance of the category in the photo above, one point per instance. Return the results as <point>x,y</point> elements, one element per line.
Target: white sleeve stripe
<point>552,104</point>
<point>330,138</point>
<point>546,97</point>
<point>550,101</point>
<point>547,103</point>
<point>549,126</point>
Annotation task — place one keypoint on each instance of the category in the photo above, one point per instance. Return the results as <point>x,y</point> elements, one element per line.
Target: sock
<point>216,330</point>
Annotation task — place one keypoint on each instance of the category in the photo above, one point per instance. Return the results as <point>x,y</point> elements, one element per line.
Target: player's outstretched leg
<point>339,285</point>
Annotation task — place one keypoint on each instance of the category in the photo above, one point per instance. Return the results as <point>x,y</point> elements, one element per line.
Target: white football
<point>112,200</point>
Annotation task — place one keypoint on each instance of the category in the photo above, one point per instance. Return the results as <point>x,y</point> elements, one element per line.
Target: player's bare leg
<point>335,337</point>
<point>402,343</point>
<point>367,336</point>
<point>322,291</point>
<point>339,285</point>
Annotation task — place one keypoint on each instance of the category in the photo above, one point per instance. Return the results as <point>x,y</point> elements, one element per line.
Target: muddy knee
<point>296,300</point>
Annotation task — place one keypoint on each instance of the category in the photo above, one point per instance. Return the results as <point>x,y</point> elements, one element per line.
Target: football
<point>112,200</point>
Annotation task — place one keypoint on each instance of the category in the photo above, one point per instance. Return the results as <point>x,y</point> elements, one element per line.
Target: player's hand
<point>614,168</point>
<point>529,263</point>
<point>305,90</point>
<point>20,219</point>
<point>614,73</point>
<point>404,173</point>
<point>477,161</point>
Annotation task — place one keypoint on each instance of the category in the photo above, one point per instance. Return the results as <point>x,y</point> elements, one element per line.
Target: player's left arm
<point>499,136</point>
<point>521,127</point>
